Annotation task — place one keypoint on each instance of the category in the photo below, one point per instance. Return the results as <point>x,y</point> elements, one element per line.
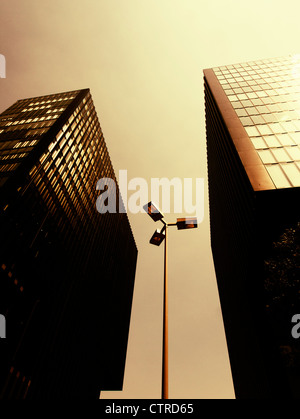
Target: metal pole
<point>165,361</point>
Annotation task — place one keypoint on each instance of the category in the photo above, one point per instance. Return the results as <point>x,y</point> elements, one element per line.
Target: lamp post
<point>157,238</point>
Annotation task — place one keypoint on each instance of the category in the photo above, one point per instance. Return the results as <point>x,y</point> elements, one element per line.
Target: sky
<point>143,62</point>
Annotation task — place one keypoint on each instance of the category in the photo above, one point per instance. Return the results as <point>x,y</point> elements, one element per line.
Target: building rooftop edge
<point>254,167</point>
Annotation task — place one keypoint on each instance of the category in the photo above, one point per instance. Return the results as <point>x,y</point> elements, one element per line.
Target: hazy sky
<point>143,61</point>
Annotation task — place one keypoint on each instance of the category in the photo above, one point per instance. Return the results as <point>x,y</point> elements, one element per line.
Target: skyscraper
<point>67,271</point>
<point>253,139</point>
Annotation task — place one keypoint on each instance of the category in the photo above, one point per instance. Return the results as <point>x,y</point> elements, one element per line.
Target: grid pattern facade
<point>237,260</point>
<point>67,171</point>
<point>266,97</point>
<point>23,124</point>
<point>252,128</point>
<point>67,272</point>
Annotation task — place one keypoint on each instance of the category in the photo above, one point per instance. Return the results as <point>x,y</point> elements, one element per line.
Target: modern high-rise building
<point>253,147</point>
<point>66,270</point>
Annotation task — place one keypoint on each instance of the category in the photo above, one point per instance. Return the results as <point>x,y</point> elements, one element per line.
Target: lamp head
<point>157,238</point>
<point>186,223</point>
<point>153,211</point>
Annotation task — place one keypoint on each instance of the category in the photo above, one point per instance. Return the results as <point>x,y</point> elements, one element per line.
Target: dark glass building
<point>253,138</point>
<point>66,271</point>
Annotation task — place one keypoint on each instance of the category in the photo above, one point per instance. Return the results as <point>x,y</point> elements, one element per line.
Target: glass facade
<point>66,271</point>
<point>266,97</point>
<point>67,172</point>
<point>24,123</point>
<point>253,140</point>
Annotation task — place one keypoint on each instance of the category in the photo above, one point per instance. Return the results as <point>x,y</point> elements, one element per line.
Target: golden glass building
<point>253,147</point>
<point>67,271</point>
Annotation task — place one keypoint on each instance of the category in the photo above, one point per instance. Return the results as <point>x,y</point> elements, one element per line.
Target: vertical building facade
<point>67,271</point>
<point>253,147</point>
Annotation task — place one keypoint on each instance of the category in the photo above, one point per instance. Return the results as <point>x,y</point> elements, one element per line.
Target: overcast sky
<point>143,61</point>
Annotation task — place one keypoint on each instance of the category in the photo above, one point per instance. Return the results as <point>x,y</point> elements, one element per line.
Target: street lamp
<point>158,237</point>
